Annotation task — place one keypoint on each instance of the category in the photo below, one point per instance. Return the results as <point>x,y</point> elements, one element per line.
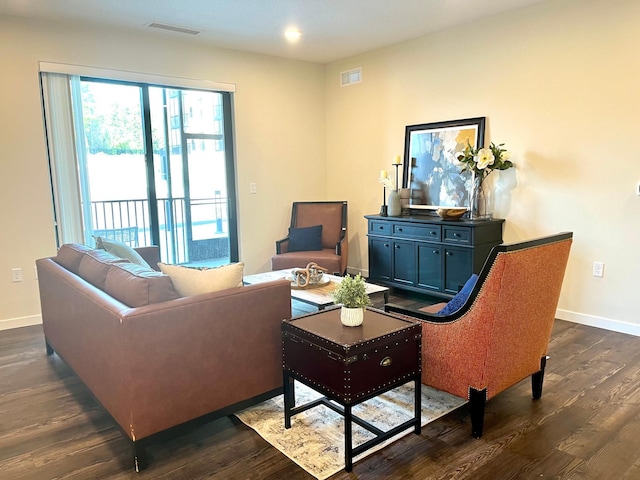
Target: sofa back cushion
<point>136,286</point>
<point>69,256</point>
<point>95,264</point>
<point>130,283</point>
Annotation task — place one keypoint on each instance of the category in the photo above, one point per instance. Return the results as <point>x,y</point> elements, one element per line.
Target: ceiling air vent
<point>350,77</point>
<point>174,28</point>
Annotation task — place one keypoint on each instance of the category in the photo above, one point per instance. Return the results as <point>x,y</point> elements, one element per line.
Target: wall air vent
<point>350,77</point>
<point>174,28</point>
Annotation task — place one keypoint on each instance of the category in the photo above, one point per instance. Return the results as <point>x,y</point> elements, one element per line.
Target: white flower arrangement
<point>483,161</point>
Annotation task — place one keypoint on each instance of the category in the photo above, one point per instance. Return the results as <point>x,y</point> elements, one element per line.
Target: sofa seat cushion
<point>325,258</point>
<point>136,286</point>
<point>190,281</point>
<point>69,256</point>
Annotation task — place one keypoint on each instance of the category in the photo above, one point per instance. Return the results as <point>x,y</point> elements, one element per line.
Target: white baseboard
<point>8,323</point>
<point>600,322</point>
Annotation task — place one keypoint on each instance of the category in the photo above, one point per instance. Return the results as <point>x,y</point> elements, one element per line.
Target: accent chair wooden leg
<point>477,399</point>
<point>537,379</point>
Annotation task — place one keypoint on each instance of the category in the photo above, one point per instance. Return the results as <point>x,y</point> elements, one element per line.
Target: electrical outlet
<point>598,269</point>
<point>252,188</point>
<point>16,275</point>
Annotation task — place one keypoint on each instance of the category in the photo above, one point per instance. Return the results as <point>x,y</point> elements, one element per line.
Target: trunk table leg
<point>289,398</point>
<point>417,406</point>
<point>348,446</point>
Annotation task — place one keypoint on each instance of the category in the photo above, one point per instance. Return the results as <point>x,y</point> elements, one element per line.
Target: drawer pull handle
<point>386,244</point>
<point>435,252</point>
<point>448,254</point>
<point>456,235</point>
<point>386,362</point>
<point>432,232</point>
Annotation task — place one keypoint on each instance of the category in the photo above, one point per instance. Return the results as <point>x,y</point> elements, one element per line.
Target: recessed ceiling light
<point>293,34</point>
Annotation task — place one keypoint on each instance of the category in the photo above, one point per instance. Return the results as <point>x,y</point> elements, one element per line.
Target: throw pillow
<point>121,250</point>
<point>305,238</point>
<point>456,302</point>
<point>193,281</point>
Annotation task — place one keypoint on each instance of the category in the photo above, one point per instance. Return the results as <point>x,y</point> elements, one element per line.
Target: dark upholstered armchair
<point>500,334</point>
<point>329,250</point>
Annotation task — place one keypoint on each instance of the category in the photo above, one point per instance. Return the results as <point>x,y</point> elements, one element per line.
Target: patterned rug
<point>315,440</point>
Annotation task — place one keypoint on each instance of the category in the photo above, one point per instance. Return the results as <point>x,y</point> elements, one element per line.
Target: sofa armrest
<point>194,355</point>
<point>151,255</point>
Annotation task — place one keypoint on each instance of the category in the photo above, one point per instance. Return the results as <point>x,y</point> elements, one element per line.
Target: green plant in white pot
<point>351,293</point>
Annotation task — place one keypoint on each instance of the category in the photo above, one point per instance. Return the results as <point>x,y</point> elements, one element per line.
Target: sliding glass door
<point>158,169</point>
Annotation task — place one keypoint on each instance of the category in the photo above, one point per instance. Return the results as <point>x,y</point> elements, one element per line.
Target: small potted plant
<point>351,293</point>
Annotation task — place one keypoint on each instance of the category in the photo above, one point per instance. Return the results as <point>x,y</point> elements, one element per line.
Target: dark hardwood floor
<point>586,426</point>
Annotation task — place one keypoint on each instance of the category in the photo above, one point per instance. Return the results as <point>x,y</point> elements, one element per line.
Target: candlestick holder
<point>383,208</point>
<point>395,208</point>
<point>396,184</point>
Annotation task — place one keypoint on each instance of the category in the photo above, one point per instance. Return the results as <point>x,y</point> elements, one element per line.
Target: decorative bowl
<point>451,213</point>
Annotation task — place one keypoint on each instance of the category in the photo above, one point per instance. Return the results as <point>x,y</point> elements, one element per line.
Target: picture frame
<point>431,170</point>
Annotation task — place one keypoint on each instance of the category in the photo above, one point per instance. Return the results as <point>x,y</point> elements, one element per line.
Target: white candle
<point>396,160</point>
<point>383,174</point>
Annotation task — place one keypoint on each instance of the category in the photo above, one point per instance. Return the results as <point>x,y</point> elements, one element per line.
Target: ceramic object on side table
<point>451,213</point>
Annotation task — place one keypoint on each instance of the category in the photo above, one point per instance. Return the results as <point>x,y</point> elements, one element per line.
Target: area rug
<point>315,440</point>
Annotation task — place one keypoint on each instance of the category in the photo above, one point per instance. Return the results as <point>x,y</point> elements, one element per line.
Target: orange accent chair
<point>331,250</point>
<point>501,333</point>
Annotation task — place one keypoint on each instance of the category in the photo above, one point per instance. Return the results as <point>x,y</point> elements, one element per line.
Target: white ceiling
<point>331,29</point>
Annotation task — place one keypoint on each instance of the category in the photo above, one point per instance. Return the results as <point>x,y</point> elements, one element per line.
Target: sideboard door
<point>429,266</point>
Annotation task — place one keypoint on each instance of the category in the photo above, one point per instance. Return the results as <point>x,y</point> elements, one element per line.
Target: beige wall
<point>559,83</point>
<point>279,122</point>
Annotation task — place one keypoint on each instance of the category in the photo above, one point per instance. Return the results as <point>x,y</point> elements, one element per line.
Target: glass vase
<point>480,199</point>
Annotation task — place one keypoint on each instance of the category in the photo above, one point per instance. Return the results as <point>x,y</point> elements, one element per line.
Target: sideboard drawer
<point>380,228</point>
<point>424,232</point>
<point>457,235</point>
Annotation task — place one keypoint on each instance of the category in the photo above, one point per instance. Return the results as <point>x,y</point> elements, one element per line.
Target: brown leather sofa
<point>158,365</point>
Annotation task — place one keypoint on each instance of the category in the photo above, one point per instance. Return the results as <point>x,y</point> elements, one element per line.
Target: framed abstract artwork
<point>431,171</point>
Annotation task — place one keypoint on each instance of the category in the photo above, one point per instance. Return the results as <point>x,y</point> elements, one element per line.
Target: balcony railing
<point>128,221</point>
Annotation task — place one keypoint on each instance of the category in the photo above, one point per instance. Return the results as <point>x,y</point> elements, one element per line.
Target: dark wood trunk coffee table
<point>349,365</point>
